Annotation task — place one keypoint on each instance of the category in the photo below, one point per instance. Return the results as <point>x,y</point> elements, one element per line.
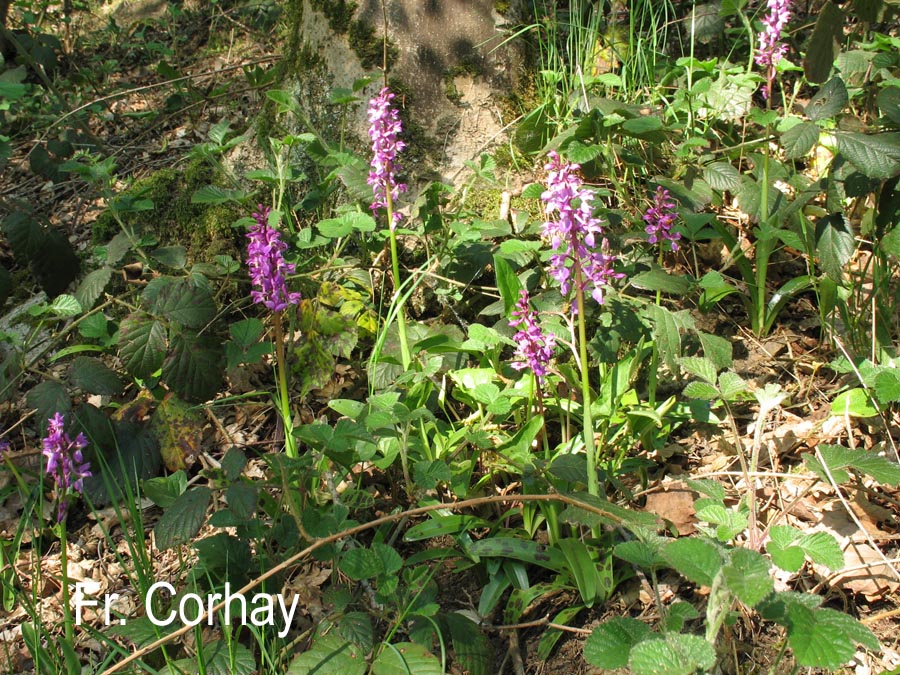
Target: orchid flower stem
<point>64,582</point>
<point>284,403</point>
<point>395,266</point>
<point>593,485</point>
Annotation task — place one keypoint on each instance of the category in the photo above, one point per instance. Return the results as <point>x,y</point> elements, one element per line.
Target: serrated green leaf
<point>822,47</point>
<point>828,101</point>
<point>876,156</point>
<point>717,349</point>
<point>184,301</point>
<point>639,554</point>
<point>699,367</point>
<point>609,644</point>
<point>183,519</point>
<point>887,386</point>
<point>193,368</point>
<point>345,224</point>
<point>678,613</point>
<point>508,283</point>
<point>701,391</point>
<point>330,654</point>
<point>361,563</point>
<point>799,139</point>
<point>48,398</point>
<point>224,658</point>
<point>406,658</point>
<point>731,385</point>
<point>658,279</point>
<point>722,176</point>
<point>698,560</point>
<point>578,152</point>
<point>178,428</point>
<point>673,654</point>
<point>835,244</point>
<point>782,548</point>
<point>94,377</point>
<point>747,576</point>
<point>142,344</point>
<point>639,126</point>
<point>730,522</point>
<point>825,638</point>
<point>172,256</point>
<point>823,549</point>
<point>357,628</point>
<point>65,305</point>
<point>246,332</point>
<point>92,287</point>
<point>889,103</point>
<point>164,490</point>
<point>213,194</point>
<point>665,335</point>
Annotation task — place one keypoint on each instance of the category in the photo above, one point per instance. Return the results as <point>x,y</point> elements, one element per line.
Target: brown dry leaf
<point>675,504</point>
<point>867,573</point>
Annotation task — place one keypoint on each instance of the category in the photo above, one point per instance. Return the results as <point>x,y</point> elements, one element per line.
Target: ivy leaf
<point>609,645</point>
<point>183,519</point>
<point>94,377</point>
<point>142,344</point>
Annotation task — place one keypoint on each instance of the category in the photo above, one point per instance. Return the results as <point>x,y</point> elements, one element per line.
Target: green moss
<point>502,7</point>
<point>203,229</point>
<point>338,13</point>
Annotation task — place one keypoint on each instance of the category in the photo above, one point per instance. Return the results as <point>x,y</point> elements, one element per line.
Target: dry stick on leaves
<point>296,558</point>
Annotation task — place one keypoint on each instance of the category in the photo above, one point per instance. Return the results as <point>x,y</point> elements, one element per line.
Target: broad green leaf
<point>172,256</point>
<point>823,549</point>
<point>729,521</point>
<point>48,398</point>
<point>183,301</point>
<point>578,152</point>
<point>887,386</point>
<point>889,103</point>
<point>658,279</point>
<point>673,654</point>
<point>65,305</point>
<point>639,554</point>
<point>224,658</point>
<point>722,176</point>
<point>799,139</point>
<point>94,377</point>
<point>361,563</point>
<point>854,403</point>
<point>330,654</point>
<point>731,385</point>
<point>357,627</point>
<point>246,332</point>
<point>406,658</point>
<point>880,468</point>
<point>701,390</point>
<point>639,126</point>
<point>838,458</point>
<point>471,646</point>
<point>835,244</point>
<point>825,638</point>
<point>610,643</point>
<point>783,549</point>
<point>876,155</point>
<point>699,367</point>
<point>142,344</point>
<point>443,525</point>
<point>699,561</point>
<point>92,287</point>
<point>828,101</point>
<point>717,349</point>
<point>164,490</point>
<point>715,287</point>
<point>213,194</point>
<point>665,335</point>
<point>747,576</point>
<point>183,519</point>
<point>193,368</point>
<point>678,613</point>
<point>354,221</point>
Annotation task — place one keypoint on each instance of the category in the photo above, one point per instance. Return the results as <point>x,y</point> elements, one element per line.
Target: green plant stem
<point>64,562</point>
<point>593,485</point>
<point>395,266</point>
<point>763,250</point>
<point>284,403</point>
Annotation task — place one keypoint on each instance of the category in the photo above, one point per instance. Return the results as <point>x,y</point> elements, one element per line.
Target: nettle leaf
<point>876,156</point>
<point>193,368</point>
<point>142,344</point>
<point>184,301</point>
<point>94,377</point>
<point>722,176</point>
<point>825,638</point>
<point>183,519</point>
<point>673,654</point>
<point>799,139</point>
<point>610,643</point>
<point>747,576</point>
<point>699,561</point>
<point>330,654</point>
<point>406,657</point>
<point>828,101</point>
<point>835,244</point>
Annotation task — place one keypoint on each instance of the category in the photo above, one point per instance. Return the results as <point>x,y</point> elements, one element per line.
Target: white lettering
<point>288,616</point>
<point>148,603</point>
<point>82,601</point>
